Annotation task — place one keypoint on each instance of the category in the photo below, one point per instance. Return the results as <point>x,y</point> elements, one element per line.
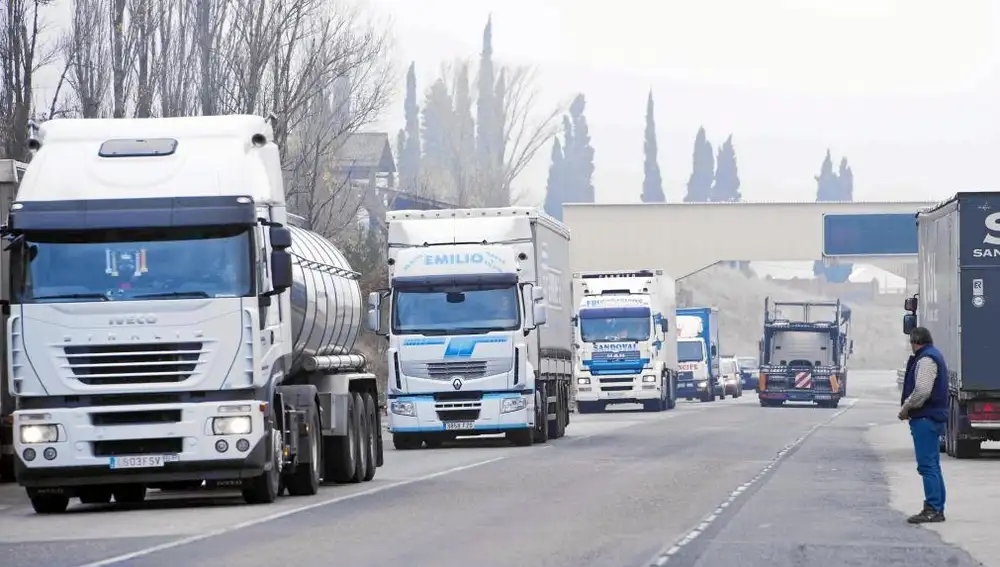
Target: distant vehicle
<point>749,371</point>
<point>698,354</point>
<point>732,381</point>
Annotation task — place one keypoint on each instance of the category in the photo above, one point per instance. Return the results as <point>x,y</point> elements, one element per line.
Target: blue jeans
<point>926,438</point>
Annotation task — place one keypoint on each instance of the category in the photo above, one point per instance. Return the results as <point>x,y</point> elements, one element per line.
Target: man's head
<point>919,338</point>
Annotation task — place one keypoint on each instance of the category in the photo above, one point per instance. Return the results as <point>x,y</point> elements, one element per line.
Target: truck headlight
<point>649,379</point>
<point>513,404</point>
<point>31,434</point>
<point>583,381</point>
<point>402,408</point>
<point>702,384</point>
<point>232,425</point>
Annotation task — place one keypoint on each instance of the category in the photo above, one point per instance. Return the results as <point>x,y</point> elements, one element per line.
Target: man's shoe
<point>926,516</point>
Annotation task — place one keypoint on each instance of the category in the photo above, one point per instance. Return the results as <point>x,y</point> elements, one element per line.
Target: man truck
<point>958,254</point>
<point>699,375</point>
<point>479,330</point>
<point>10,173</point>
<point>626,343</point>
<point>168,324</point>
<point>804,352</point>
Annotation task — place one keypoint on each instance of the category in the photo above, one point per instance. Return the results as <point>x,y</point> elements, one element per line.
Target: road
<point>725,484</point>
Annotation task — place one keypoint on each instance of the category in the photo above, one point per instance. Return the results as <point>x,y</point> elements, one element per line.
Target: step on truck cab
<point>958,264</point>
<point>804,352</point>
<point>699,374</point>
<point>480,341</point>
<point>625,340</point>
<point>169,325</point>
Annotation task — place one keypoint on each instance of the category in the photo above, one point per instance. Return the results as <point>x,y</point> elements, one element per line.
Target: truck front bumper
<point>187,448</point>
<point>626,389</point>
<point>493,413</point>
<point>798,395</point>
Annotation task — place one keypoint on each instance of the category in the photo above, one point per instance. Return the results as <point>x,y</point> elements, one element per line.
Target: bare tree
<point>86,50</point>
<point>21,55</point>
<point>177,45</point>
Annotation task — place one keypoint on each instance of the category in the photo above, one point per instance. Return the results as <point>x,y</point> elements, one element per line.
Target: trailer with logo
<point>480,340</point>
<point>958,264</point>
<point>625,340</point>
<point>804,352</point>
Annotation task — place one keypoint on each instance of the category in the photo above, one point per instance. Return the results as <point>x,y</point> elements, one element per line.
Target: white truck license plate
<point>136,462</point>
<point>617,394</point>
<point>459,425</point>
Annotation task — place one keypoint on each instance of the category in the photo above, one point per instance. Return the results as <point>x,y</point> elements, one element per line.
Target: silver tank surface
<point>326,305</point>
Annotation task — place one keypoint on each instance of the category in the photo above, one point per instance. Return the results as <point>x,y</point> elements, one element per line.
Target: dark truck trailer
<point>10,174</point>
<point>958,263</point>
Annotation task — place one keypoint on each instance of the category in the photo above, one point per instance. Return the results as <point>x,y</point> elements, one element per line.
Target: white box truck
<point>625,339</point>
<point>478,325</point>
<point>168,325</point>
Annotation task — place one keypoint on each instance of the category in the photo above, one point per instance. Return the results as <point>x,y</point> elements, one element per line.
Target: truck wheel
<point>47,503</point>
<point>557,427</point>
<point>305,480</point>
<point>541,430</point>
<point>406,441</point>
<point>672,395</point>
<point>362,438</point>
<point>586,407</point>
<point>375,435</point>
<point>264,489</point>
<point>520,437</point>
<point>708,396</point>
<point>433,442</point>
<point>129,493</point>
<point>95,495</point>
<point>340,453</point>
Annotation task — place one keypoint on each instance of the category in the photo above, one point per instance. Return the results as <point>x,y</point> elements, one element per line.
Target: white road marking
<point>283,514</point>
<point>663,557</point>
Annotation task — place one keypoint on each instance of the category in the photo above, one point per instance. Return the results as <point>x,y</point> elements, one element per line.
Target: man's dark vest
<point>936,407</point>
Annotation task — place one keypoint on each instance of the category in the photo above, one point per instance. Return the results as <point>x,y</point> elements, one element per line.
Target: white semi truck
<point>478,325</point>
<point>627,345</point>
<point>169,325</point>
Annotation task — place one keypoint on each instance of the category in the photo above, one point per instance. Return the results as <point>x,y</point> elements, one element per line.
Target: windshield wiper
<point>100,296</point>
<point>200,294</point>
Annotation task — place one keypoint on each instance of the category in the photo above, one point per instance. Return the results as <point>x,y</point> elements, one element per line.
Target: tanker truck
<point>197,337</point>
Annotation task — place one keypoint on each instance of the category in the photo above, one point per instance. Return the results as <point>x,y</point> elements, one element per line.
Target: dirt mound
<point>876,329</point>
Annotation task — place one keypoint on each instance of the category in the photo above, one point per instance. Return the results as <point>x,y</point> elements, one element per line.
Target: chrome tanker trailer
<point>201,337</point>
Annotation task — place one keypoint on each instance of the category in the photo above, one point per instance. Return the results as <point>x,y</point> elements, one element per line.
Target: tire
<point>129,493</point>
<point>406,441</point>
<point>557,427</point>
<point>340,453</point>
<point>541,430</point>
<point>48,503</point>
<point>586,407</point>
<point>306,478</point>
<point>95,494</point>
<point>264,488</point>
<point>362,437</point>
<point>375,430</point>
<point>521,437</point>
<point>433,442</point>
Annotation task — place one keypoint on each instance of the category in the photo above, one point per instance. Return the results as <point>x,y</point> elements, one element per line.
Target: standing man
<point>925,404</point>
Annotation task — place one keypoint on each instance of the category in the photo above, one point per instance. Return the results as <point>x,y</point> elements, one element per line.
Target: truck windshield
<point>614,329</point>
<point>690,351</point>
<point>132,265</point>
<point>455,309</point>
<point>748,363</point>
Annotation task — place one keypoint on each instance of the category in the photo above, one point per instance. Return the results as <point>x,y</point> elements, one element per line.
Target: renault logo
<point>457,383</point>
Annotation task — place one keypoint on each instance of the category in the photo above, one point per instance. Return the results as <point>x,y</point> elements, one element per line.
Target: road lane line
<point>664,556</point>
<point>282,514</point>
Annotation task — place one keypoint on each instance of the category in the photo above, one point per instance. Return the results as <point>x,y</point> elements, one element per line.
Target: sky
<point>907,90</point>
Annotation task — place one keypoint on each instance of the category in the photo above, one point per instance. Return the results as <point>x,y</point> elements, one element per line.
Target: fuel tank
<point>326,305</point>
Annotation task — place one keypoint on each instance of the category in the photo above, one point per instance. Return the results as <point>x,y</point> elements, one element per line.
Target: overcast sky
<point>908,90</point>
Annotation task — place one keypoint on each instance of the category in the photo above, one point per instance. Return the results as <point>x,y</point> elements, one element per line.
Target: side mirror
<point>851,349</point>
<point>528,300</point>
<point>910,304</point>
<point>715,351</point>
<point>281,270</point>
<point>664,325</point>
<point>574,320</point>
<point>374,300</point>
<point>537,294</point>
<point>539,313</point>
<point>281,237</point>
<point>375,321</point>
<point>909,323</point>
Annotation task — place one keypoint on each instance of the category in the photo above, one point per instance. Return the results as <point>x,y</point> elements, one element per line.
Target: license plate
<point>137,462</point>
<point>822,397</point>
<point>617,394</point>
<point>459,425</point>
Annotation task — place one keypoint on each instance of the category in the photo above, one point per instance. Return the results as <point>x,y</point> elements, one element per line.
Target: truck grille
<point>458,410</point>
<point>623,356</point>
<point>467,369</point>
<point>149,363</point>
<point>168,446</point>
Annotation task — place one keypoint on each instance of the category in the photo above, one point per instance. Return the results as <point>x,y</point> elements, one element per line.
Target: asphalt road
<point>725,484</point>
